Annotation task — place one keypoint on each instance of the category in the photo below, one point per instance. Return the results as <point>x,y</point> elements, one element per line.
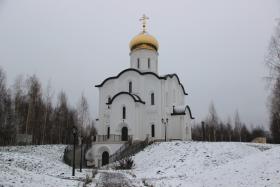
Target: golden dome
<point>144,41</point>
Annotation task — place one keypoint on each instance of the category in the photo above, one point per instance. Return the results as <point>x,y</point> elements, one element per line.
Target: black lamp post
<point>81,158</point>
<point>74,132</point>
<point>165,122</point>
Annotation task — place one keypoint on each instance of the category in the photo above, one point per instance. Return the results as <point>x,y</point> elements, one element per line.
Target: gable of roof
<point>181,110</point>
<point>144,73</point>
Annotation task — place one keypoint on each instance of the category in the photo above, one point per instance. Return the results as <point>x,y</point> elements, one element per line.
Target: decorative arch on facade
<point>102,149</point>
<point>145,73</point>
<point>136,98</point>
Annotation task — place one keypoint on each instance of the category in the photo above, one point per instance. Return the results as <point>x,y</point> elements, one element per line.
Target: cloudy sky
<point>216,47</point>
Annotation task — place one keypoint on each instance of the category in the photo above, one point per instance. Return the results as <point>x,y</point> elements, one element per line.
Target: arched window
<point>108,132</point>
<point>153,130</point>
<point>130,87</point>
<point>149,63</point>
<point>124,112</point>
<point>138,63</point>
<point>152,99</point>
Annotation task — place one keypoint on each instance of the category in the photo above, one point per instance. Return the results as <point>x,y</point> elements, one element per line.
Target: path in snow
<point>116,179</point>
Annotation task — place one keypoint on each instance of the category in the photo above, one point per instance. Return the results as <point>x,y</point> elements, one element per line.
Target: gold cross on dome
<point>144,18</point>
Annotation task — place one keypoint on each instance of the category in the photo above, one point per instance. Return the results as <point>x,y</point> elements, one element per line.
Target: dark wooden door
<point>105,158</point>
<point>124,134</point>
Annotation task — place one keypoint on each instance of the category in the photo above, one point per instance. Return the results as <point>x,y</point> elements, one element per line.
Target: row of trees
<point>27,109</point>
<point>214,129</point>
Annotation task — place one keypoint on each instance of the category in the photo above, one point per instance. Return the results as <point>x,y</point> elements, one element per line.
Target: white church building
<point>138,103</point>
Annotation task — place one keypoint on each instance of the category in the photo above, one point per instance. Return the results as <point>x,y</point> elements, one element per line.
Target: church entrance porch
<point>105,158</point>
<point>124,134</point>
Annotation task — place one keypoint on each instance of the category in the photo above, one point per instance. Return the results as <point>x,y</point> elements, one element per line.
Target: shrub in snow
<point>126,163</point>
<point>87,181</point>
<point>94,172</point>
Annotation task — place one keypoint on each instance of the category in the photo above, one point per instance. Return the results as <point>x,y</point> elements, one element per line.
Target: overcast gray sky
<point>216,47</point>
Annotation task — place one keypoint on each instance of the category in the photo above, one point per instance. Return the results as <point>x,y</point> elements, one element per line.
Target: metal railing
<point>111,138</point>
<point>128,150</point>
<point>117,154</point>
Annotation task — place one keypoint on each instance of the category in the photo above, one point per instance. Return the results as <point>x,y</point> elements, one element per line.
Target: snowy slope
<point>199,164</point>
<point>35,166</point>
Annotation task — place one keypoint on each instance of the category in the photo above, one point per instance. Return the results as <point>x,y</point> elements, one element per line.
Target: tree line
<point>28,109</point>
<point>213,129</point>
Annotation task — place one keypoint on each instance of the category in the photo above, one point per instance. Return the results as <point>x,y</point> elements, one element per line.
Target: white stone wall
<point>143,55</point>
<point>96,150</point>
<point>143,86</point>
<point>140,116</point>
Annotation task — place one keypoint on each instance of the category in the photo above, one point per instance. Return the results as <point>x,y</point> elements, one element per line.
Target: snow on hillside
<point>195,164</point>
<point>202,164</point>
<point>34,166</point>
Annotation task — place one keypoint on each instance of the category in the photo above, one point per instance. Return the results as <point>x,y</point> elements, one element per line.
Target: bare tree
<point>20,103</point>
<point>237,126</point>
<point>62,111</point>
<point>83,113</point>
<point>34,117</point>
<point>212,121</point>
<point>48,105</point>
<point>229,129</point>
<point>273,62</point>
<point>273,57</point>
<point>275,112</point>
<point>7,129</point>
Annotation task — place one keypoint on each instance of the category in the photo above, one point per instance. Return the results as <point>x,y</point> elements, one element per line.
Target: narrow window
<point>108,103</point>
<point>153,130</point>
<point>138,63</point>
<point>130,87</point>
<point>124,112</point>
<point>152,99</point>
<point>108,132</point>
<point>149,65</point>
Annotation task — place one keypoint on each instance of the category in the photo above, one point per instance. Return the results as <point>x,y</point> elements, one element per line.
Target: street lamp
<point>165,122</point>
<point>74,132</point>
<point>81,158</point>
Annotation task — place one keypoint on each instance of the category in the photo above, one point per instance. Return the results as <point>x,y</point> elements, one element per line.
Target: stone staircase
<point>128,149</point>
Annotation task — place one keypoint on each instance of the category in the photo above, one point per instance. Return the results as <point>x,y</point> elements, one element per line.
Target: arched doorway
<point>124,134</point>
<point>105,158</point>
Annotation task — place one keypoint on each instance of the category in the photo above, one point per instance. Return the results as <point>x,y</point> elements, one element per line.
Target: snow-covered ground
<point>195,164</point>
<point>202,164</point>
<point>36,166</point>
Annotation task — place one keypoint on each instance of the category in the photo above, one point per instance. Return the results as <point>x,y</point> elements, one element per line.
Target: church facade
<point>139,104</point>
